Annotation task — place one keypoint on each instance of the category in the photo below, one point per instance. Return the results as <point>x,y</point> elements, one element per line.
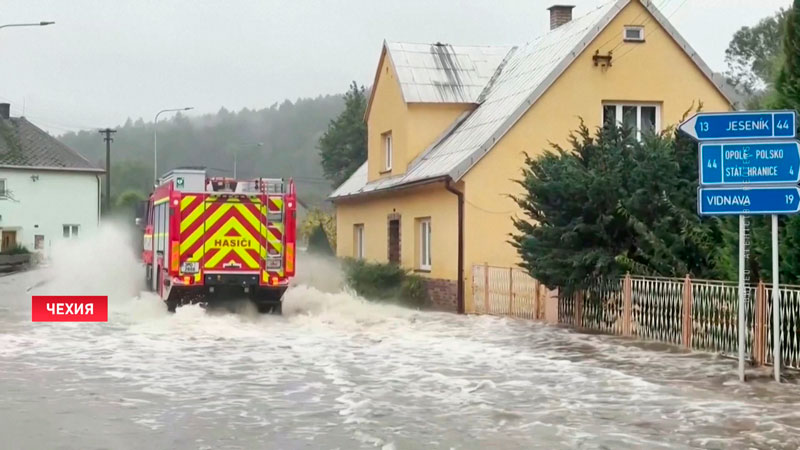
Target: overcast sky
<point>104,61</point>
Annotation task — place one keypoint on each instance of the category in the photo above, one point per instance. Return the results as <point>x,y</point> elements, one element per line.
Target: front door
<point>9,240</point>
<point>394,241</point>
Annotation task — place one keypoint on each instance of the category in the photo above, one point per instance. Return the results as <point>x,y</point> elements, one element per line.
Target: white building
<point>47,190</point>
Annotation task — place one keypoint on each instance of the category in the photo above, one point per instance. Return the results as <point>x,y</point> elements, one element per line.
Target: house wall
<point>387,113</point>
<point>373,212</point>
<point>655,71</point>
<point>426,122</point>
<point>414,126</point>
<point>45,205</point>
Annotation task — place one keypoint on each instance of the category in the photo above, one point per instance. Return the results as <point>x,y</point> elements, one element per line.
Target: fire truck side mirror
<point>141,213</point>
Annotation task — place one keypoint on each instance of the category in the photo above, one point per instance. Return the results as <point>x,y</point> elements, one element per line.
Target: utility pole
<point>109,140</point>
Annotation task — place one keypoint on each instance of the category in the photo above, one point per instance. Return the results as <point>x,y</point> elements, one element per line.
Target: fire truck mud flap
<point>269,300</point>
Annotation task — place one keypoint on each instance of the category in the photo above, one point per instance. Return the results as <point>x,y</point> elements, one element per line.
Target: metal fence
<point>506,291</point>
<point>696,314</point>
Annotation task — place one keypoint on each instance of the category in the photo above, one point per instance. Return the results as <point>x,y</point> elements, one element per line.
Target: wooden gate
<point>507,291</point>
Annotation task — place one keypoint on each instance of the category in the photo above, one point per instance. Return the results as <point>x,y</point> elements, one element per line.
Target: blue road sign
<point>741,125</point>
<point>748,201</point>
<point>755,162</point>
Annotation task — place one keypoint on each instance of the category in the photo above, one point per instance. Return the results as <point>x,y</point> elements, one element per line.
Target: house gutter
<point>460,285</point>
<point>384,191</point>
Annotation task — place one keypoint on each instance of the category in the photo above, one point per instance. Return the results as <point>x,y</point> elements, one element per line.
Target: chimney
<point>5,110</point>
<point>559,15</point>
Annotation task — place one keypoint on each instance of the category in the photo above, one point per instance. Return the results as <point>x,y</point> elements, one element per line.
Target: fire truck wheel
<point>148,277</point>
<point>172,305</point>
<point>271,308</point>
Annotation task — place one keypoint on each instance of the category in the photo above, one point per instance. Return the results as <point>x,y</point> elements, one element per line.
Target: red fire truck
<point>207,236</point>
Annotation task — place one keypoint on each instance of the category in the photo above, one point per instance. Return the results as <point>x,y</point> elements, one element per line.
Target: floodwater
<point>336,372</point>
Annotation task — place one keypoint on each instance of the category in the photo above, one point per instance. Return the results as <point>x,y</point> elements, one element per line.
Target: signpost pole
<point>776,302</point>
<point>742,219</point>
<point>738,151</point>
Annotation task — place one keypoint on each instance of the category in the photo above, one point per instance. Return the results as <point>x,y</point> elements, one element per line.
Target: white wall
<point>44,206</point>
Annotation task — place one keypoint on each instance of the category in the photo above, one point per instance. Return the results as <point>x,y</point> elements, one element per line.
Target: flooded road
<point>336,372</point>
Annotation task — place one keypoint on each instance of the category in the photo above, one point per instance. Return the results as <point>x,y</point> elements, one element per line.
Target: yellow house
<point>448,126</point>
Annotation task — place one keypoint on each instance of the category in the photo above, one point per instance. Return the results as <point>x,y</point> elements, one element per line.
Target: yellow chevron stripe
<point>232,223</point>
<point>248,215</point>
<point>199,253</point>
<point>278,201</point>
<point>210,221</point>
<point>187,200</point>
<point>187,221</point>
<point>218,257</point>
<point>251,263</point>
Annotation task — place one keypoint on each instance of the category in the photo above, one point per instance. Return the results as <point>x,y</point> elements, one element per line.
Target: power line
<point>633,22</point>
<point>108,132</point>
<point>663,5</point>
<point>654,29</point>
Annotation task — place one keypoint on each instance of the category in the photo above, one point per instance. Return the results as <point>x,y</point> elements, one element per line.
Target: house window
<point>640,118</point>
<point>70,231</point>
<point>3,188</point>
<point>358,241</point>
<point>388,151</point>
<point>38,242</point>
<point>633,33</point>
<point>425,244</point>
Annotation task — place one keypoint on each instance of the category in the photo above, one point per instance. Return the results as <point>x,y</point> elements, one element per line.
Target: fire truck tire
<point>271,308</point>
<point>148,277</point>
<point>172,305</point>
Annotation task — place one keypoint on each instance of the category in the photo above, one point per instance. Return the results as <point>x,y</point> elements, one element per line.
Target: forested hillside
<point>287,133</point>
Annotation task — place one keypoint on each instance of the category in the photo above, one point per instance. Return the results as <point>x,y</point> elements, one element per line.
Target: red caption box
<point>69,308</point>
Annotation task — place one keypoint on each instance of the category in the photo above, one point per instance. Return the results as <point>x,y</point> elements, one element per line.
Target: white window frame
<point>639,28</point>
<point>72,230</point>
<point>388,150</point>
<point>358,237</point>
<point>425,236</point>
<point>638,106</point>
<point>3,188</point>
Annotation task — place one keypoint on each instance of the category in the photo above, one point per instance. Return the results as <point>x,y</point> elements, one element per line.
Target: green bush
<point>414,290</point>
<point>385,282</point>
<point>18,250</point>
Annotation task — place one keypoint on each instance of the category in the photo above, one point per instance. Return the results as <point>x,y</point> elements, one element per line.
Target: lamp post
<point>236,154</point>
<point>155,139</point>
<point>35,24</point>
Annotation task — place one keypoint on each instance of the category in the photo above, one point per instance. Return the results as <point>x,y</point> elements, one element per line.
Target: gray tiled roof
<point>23,144</point>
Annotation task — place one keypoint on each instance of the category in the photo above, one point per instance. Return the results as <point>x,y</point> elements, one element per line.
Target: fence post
<point>627,305</point>
<point>510,291</point>
<point>579,309</point>
<point>759,341</point>
<point>486,287</point>
<point>686,323</point>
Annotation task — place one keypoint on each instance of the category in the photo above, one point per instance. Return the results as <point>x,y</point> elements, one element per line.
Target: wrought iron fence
<point>697,314</point>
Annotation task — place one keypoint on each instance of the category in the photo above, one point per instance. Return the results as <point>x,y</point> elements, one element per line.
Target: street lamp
<point>155,139</point>
<point>39,24</point>
<point>236,154</point>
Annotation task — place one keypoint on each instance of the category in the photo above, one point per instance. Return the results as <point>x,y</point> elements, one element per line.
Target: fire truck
<point>207,238</point>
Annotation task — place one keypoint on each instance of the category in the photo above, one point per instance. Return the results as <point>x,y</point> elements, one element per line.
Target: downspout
<point>460,283</point>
